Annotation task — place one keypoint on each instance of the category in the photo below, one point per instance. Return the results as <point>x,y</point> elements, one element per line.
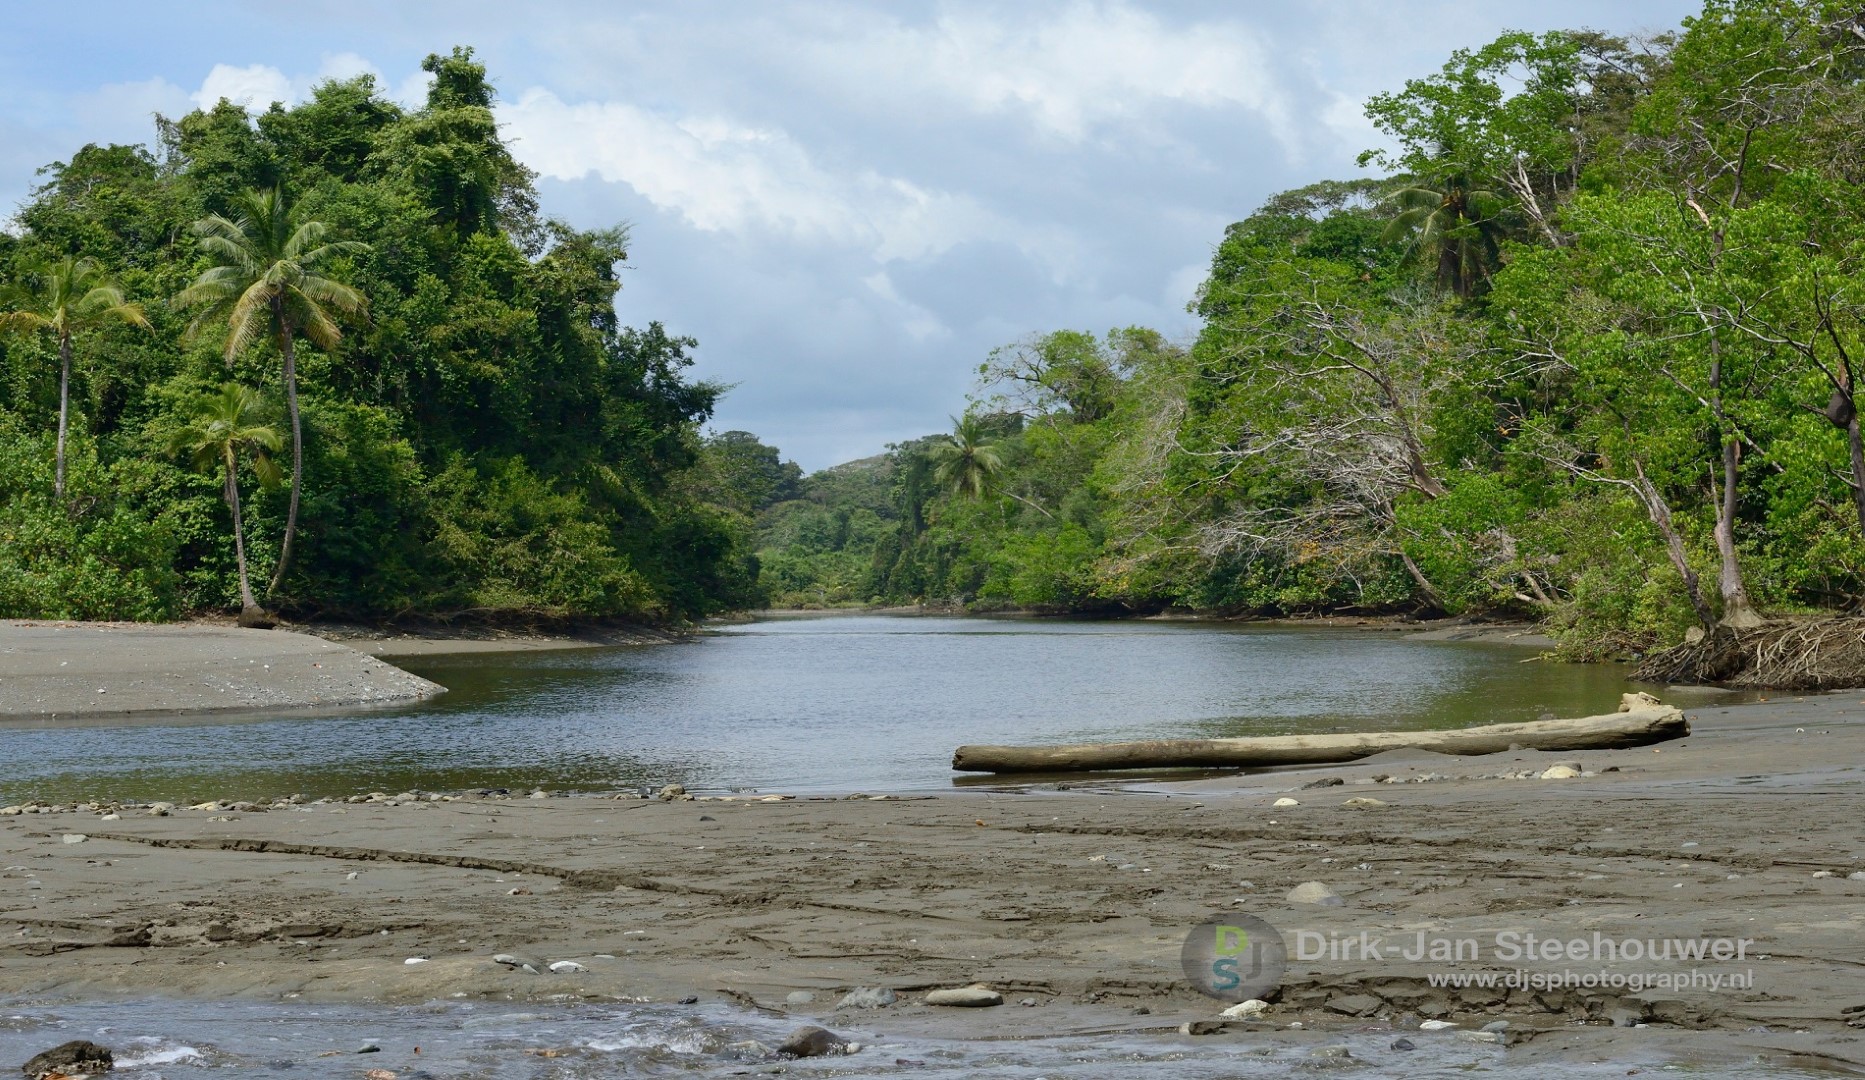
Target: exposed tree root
<point>1822,654</point>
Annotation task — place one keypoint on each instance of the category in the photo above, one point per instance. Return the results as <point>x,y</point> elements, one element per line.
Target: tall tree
<point>219,432</point>
<point>964,462</point>
<point>1459,223</point>
<point>66,296</point>
<point>269,280</point>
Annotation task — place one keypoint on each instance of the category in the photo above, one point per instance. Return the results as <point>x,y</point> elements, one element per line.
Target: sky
<point>848,204</point>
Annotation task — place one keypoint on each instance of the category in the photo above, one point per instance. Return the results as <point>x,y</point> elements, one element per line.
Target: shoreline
<point>1076,900</point>
<point>1474,631</point>
<point>54,671</point>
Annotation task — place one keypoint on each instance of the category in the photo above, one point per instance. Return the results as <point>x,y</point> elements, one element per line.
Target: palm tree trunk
<point>247,603</point>
<point>64,407</point>
<point>297,450</point>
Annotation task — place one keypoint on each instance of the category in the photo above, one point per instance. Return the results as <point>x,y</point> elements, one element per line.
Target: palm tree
<point>1456,219</point>
<point>268,280</point>
<point>220,430</point>
<point>963,462</point>
<point>66,296</point>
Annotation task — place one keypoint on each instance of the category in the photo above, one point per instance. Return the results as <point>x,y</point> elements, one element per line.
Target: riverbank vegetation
<point>463,426</point>
<point>1586,353</point>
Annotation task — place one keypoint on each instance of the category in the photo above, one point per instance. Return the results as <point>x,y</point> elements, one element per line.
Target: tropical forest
<point>1576,347</point>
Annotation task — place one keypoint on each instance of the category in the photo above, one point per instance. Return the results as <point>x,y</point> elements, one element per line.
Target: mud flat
<point>68,670</point>
<point>1072,904</point>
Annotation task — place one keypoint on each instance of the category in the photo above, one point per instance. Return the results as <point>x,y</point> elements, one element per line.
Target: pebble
<point>1856,875</point>
<point>519,963</point>
<point>75,838</point>
<point>1404,1044</point>
<point>1286,802</point>
<point>813,1041</point>
<point>413,960</point>
<point>1824,874</point>
<point>1363,803</point>
<point>799,997</point>
<point>867,997</point>
<point>1314,892</point>
<point>1435,1025</point>
<point>1560,772</point>
<point>566,967</point>
<point>1252,1007</point>
<point>975,996</point>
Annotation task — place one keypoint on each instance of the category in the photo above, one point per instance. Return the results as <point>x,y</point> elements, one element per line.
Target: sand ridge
<point>66,670</point>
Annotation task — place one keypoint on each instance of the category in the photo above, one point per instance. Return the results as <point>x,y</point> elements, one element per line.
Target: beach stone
<point>520,963</point>
<point>1285,802</point>
<point>74,838</point>
<point>1560,772</point>
<point>1856,875</point>
<point>11,811</point>
<point>567,967</point>
<point>799,997</point>
<point>77,1057</point>
<point>673,793</point>
<point>812,1041</point>
<point>1435,1025</point>
<point>1252,1007</point>
<point>1363,803</point>
<point>975,996</point>
<point>867,997</point>
<point>1314,892</point>
<point>1496,1025</point>
<point>1404,1044</point>
<point>1355,1004</point>
<point>1337,1053</point>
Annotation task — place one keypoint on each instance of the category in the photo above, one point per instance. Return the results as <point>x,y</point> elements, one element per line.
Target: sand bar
<point>66,670</point>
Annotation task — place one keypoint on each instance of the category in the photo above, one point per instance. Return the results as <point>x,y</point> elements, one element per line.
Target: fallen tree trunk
<point>1641,725</point>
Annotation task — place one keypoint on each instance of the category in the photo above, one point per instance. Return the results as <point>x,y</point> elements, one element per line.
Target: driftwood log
<point>1643,723</point>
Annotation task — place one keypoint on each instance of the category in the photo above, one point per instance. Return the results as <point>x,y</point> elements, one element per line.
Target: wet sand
<point>1075,901</point>
<point>67,670</point>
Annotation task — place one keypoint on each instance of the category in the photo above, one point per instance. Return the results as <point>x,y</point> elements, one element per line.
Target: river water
<point>831,704</point>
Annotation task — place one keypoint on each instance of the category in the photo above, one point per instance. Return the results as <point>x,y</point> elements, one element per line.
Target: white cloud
<point>254,87</point>
<point>723,176</point>
<point>1070,72</point>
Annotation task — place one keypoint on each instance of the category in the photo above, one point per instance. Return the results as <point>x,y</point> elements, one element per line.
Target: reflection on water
<point>822,704</point>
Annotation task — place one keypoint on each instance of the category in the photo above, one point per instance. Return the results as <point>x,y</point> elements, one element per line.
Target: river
<point>829,704</point>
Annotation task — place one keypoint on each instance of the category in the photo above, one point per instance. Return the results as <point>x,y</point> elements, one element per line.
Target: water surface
<point>831,704</point>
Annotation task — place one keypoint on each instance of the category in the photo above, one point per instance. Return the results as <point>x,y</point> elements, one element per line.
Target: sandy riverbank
<point>65,670</point>
<point>1076,901</point>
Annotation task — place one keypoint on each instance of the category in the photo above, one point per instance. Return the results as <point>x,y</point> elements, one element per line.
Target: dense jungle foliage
<point>476,434</point>
<point>1584,353</point>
